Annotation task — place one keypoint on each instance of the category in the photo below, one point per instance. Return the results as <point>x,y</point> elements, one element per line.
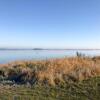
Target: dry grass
<point>52,71</point>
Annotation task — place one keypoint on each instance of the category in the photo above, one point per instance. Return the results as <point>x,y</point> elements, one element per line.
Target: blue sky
<point>50,23</point>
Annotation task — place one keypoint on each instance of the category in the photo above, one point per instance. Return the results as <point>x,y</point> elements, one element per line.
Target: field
<point>73,78</point>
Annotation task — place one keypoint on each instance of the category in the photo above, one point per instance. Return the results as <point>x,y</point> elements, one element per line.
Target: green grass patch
<point>84,90</point>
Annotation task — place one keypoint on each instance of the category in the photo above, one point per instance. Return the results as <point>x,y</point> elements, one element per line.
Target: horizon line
<point>49,48</point>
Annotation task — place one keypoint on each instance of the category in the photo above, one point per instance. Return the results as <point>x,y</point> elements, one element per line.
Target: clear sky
<point>50,23</point>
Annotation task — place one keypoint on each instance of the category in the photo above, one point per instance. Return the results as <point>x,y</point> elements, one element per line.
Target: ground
<point>84,90</point>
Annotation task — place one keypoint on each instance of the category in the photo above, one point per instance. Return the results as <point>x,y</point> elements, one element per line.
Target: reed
<point>52,71</point>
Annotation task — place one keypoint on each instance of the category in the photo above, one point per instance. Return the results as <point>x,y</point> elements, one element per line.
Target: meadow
<point>69,78</point>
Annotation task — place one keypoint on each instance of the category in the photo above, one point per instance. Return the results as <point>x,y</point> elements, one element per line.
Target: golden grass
<point>52,71</point>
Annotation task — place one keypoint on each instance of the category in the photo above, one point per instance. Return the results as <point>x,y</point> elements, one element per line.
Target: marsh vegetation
<point>72,78</point>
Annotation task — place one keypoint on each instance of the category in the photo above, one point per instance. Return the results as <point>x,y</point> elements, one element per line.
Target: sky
<point>50,23</point>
